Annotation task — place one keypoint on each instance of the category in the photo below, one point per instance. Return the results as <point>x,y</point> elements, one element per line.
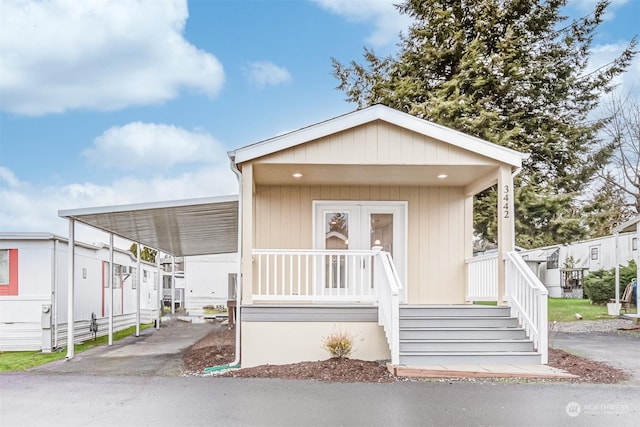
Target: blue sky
<point>117,102</point>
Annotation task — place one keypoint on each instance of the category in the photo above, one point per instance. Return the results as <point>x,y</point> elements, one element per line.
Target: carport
<point>177,228</point>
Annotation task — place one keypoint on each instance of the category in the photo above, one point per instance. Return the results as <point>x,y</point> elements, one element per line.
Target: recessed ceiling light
<point>297,175</point>
<point>443,176</point>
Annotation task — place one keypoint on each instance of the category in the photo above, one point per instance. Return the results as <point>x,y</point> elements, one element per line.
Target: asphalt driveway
<point>618,349</point>
<point>156,352</point>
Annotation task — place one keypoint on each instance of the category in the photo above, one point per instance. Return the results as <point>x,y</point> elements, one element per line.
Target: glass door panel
<point>336,237</point>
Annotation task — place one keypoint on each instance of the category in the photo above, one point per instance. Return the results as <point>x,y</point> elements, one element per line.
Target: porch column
<point>159,285</point>
<point>638,269</point>
<point>173,284</point>
<point>71,254</point>
<point>110,282</point>
<point>138,286</point>
<point>506,227</point>
<point>246,223</point>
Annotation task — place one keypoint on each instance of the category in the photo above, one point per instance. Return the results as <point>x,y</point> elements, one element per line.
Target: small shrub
<point>599,285</point>
<point>338,344</point>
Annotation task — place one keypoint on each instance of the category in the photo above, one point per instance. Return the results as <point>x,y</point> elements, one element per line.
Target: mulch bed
<point>587,370</point>
<point>218,348</point>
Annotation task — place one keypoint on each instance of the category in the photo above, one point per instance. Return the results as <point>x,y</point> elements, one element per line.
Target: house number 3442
<point>505,200</point>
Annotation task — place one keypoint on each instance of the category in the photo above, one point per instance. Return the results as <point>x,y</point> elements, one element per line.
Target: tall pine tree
<point>512,72</point>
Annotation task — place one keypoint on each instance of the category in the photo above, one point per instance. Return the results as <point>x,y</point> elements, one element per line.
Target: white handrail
<point>528,299</point>
<point>388,286</point>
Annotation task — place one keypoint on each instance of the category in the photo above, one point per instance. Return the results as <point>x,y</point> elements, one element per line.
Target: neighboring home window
<point>145,275</point>
<point>552,261</point>
<point>634,244</point>
<point>134,278</point>
<point>8,272</point>
<point>105,274</point>
<point>594,254</point>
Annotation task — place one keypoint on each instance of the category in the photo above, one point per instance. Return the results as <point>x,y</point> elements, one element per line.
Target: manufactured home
<point>209,280</point>
<point>364,224</point>
<point>553,263</point>
<point>33,291</point>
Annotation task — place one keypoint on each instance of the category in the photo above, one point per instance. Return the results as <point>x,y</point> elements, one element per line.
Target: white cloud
<point>589,5</point>
<point>8,177</point>
<point>35,208</point>
<point>601,55</point>
<point>139,145</point>
<point>265,73</point>
<point>386,19</point>
<point>100,54</point>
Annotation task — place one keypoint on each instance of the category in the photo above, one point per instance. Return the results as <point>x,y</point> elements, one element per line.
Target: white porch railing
<point>482,279</point>
<point>332,275</point>
<point>527,297</point>
<point>313,275</point>
<point>388,286</point>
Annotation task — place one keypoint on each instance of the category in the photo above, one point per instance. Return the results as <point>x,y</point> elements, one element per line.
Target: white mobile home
<point>587,255</point>
<point>209,280</point>
<point>33,291</point>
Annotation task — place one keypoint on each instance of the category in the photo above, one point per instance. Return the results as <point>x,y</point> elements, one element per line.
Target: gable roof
<point>371,114</point>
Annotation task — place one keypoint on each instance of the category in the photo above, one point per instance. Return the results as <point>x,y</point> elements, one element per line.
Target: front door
<point>358,226</point>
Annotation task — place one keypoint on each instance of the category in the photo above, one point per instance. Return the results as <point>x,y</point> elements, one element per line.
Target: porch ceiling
<point>409,175</point>
<point>180,228</point>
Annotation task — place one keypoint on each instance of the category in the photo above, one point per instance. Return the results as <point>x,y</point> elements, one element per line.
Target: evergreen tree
<point>606,210</point>
<point>511,72</point>
<point>146,254</point>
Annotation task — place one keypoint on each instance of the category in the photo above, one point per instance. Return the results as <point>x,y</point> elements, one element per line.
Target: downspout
<point>236,362</point>
<point>54,291</point>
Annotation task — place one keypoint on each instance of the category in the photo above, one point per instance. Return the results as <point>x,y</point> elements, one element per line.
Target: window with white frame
<point>4,267</point>
<point>594,254</point>
<point>145,275</point>
<point>634,244</point>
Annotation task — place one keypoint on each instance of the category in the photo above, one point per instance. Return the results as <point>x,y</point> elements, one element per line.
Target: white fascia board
<point>71,213</point>
<point>387,114</point>
<point>30,235</point>
<point>627,226</point>
<point>309,133</point>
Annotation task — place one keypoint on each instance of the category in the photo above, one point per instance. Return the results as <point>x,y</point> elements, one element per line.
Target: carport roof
<point>179,227</point>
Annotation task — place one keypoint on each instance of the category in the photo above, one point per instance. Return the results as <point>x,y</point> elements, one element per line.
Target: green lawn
<point>22,360</point>
<point>565,309</point>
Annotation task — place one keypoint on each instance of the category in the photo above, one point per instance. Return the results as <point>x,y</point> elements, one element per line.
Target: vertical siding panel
<point>261,215</point>
<point>394,192</point>
<point>295,218</point>
<point>385,151</point>
<point>306,217</point>
<point>430,151</point>
<point>345,192</point>
<point>274,232</point>
<point>349,152</point>
<point>371,140</point>
<point>365,192</point>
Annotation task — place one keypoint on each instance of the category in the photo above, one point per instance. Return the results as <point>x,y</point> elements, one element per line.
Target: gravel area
<point>582,326</point>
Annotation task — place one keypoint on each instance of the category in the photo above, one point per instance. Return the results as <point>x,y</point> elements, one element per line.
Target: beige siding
<point>377,143</point>
<point>436,220</point>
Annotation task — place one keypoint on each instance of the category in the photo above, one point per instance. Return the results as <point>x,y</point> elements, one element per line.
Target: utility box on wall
<point>46,328</point>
